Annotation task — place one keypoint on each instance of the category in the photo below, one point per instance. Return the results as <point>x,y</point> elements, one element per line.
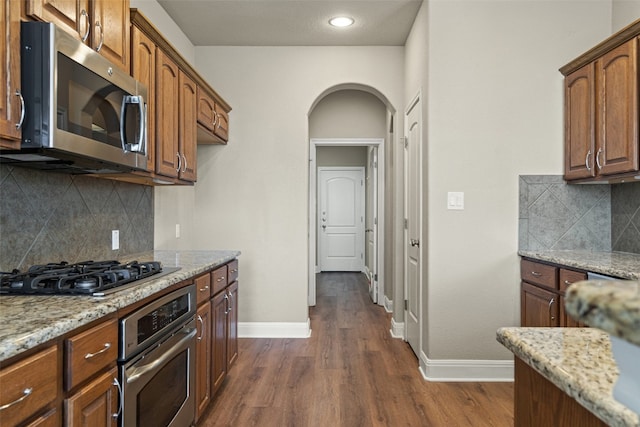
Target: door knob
<point>414,242</point>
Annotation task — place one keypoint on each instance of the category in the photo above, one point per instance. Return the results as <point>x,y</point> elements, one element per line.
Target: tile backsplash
<point>51,217</point>
<point>555,215</point>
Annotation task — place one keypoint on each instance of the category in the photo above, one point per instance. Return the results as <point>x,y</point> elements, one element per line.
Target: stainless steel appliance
<point>157,362</point>
<point>95,278</point>
<point>82,114</point>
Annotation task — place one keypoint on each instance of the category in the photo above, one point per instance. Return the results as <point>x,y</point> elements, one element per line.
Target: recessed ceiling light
<point>341,21</point>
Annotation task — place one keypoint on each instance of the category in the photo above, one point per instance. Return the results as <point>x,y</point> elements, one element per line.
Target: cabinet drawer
<point>219,279</point>
<point>203,288</point>
<point>540,274</point>
<point>233,271</point>
<point>90,351</point>
<point>31,384</point>
<point>568,277</point>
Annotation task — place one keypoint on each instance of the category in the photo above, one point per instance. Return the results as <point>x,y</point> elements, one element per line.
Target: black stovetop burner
<point>83,278</point>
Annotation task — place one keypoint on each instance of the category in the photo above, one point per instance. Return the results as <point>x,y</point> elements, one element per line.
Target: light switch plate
<point>455,200</point>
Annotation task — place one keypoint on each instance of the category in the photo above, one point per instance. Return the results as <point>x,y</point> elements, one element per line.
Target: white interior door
<point>371,232</point>
<point>413,229</point>
<point>341,218</point>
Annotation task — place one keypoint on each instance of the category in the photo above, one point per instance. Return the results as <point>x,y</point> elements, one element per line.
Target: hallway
<point>351,372</point>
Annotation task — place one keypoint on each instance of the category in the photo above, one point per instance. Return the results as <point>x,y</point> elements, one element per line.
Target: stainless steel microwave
<point>82,113</point>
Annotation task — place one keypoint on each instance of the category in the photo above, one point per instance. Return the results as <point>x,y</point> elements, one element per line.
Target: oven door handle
<point>144,369</point>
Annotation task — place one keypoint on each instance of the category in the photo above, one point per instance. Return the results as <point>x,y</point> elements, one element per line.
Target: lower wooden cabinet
<point>95,404</point>
<point>232,324</point>
<point>203,359</point>
<point>219,340</point>
<point>542,294</point>
<point>50,419</point>
<point>538,307</point>
<point>29,386</point>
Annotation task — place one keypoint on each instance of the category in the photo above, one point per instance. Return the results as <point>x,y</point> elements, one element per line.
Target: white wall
<point>348,114</point>
<point>252,194</point>
<point>493,111</point>
<point>624,13</point>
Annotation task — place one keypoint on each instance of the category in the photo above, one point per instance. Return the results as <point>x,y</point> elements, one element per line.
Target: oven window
<point>90,106</point>
<point>163,396</point>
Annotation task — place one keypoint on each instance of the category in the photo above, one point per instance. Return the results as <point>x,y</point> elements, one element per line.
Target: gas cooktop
<point>96,278</point>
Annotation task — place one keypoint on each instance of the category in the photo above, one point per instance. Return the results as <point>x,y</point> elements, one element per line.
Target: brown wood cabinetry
<point>601,110</point>
<point>10,105</point>
<point>224,308</point>
<point>213,120</point>
<point>542,294</point>
<point>187,140</point>
<point>538,402</point>
<point>203,344</point>
<point>30,387</point>
<point>95,404</point>
<point>101,24</point>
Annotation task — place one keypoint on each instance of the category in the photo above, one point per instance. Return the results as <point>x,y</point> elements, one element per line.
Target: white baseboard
<point>274,329</point>
<point>388,304</point>
<point>397,329</point>
<point>450,370</point>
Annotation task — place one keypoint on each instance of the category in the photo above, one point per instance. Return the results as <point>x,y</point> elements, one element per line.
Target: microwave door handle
<point>139,146</point>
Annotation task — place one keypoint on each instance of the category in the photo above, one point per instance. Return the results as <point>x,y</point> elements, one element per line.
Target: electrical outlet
<point>177,231</point>
<point>115,240</point>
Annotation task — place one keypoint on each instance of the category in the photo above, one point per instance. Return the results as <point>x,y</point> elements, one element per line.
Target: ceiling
<point>293,22</point>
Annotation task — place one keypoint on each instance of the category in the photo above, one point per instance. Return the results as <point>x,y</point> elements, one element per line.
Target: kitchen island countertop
<point>29,321</point>
<point>576,360</point>
<point>619,264</point>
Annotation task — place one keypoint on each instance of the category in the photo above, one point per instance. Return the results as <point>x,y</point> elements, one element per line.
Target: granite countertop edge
<point>550,367</point>
<point>619,264</point>
<point>26,327</point>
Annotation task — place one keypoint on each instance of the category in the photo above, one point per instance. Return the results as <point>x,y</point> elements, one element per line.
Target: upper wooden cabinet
<point>601,110</point>
<point>101,24</point>
<point>213,120</point>
<point>11,107</point>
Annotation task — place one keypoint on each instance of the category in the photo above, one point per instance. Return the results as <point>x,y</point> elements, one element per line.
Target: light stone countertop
<point>619,264</point>
<point>578,361</point>
<point>28,321</point>
<point>613,306</point>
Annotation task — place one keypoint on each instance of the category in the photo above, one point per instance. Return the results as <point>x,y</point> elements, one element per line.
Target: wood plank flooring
<point>350,373</point>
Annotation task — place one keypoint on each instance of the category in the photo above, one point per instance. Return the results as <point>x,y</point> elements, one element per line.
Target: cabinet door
<point>96,404</point>
<point>70,15</point>
<point>188,127</point>
<point>167,95</point>
<point>10,105</point>
<point>50,419</point>
<point>206,110</point>
<point>143,69</point>
<point>222,124</point>
<point>579,107</point>
<point>618,110</point>
<point>567,278</point>
<point>110,32</point>
<point>203,359</point>
<point>218,340</point>
<point>538,307</point>
<point>28,386</point>
<point>232,319</point>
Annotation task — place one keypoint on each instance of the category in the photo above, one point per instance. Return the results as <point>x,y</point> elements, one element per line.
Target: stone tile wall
<point>555,215</point>
<point>52,217</point>
<point>625,217</point>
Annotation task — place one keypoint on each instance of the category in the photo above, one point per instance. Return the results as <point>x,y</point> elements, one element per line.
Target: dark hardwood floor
<point>351,372</point>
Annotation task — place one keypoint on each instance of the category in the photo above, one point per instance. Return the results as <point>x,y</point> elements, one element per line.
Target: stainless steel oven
<point>156,362</point>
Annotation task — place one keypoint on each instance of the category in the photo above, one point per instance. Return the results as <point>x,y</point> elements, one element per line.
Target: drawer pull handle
<point>221,278</point>
<point>553,300</point>
<point>204,289</point>
<point>107,346</point>
<point>199,319</point>
<point>26,393</point>
<point>235,270</point>
<point>566,282</point>
<point>120,398</point>
<point>535,273</point>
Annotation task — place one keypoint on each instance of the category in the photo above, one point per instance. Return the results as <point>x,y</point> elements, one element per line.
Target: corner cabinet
<point>601,111</point>
<point>101,24</point>
<point>11,107</point>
